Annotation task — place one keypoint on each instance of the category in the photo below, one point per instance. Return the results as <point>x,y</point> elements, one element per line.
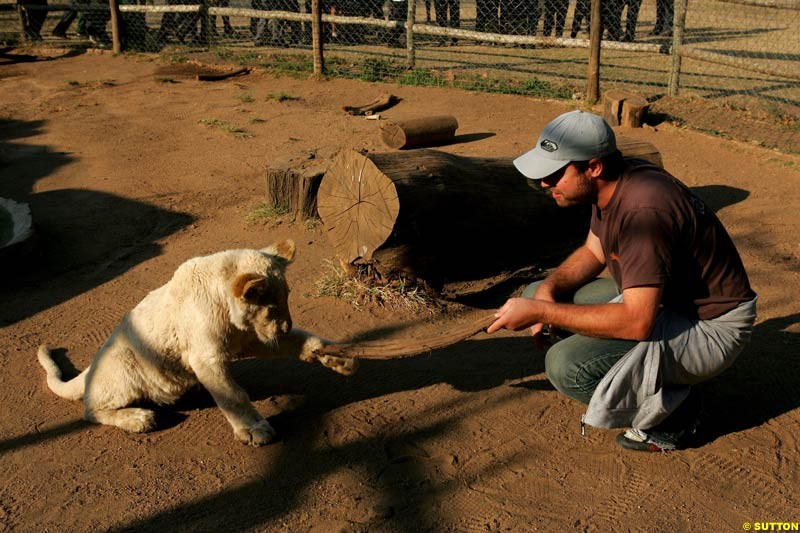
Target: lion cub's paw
<point>342,365</point>
<point>311,345</point>
<point>258,434</point>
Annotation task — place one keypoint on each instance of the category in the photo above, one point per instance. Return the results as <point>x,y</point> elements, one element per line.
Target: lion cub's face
<point>262,294</point>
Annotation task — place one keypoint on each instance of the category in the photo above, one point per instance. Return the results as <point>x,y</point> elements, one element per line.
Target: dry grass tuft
<point>396,295</point>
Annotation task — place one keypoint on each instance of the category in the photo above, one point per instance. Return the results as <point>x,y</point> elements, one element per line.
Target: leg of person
<point>612,13</point>
<point>549,17</point>
<point>561,16</point>
<point>673,433</point>
<point>631,19</point>
<point>64,23</point>
<point>659,24</point>
<point>669,14</point>
<point>576,364</point>
<point>577,18</point>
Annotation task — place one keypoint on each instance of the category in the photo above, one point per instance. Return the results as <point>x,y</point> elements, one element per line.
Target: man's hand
<point>516,314</point>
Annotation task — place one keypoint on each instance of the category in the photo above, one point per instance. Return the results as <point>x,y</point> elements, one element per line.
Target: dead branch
<point>384,101</point>
<point>406,348</point>
<point>224,76</point>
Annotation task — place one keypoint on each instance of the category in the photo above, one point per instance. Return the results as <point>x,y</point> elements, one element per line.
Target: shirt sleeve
<point>647,242</point>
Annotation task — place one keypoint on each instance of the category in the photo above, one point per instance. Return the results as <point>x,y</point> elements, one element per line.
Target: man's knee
<point>562,371</point>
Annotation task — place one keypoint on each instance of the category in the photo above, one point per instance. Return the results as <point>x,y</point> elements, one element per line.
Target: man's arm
<point>632,319</point>
<point>582,266</point>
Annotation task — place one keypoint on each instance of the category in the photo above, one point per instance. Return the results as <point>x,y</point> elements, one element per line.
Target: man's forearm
<point>577,270</point>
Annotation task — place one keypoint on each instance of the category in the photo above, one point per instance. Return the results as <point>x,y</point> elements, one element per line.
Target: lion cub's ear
<point>249,287</point>
<point>284,250</point>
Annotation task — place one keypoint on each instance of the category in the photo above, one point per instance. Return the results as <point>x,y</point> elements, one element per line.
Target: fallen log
<point>418,132</point>
<point>444,219</point>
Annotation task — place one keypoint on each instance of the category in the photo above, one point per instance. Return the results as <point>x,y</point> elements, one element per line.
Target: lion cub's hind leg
<point>112,385</point>
<point>133,419</point>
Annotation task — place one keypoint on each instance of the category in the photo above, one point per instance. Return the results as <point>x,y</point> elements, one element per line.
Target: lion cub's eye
<point>259,295</point>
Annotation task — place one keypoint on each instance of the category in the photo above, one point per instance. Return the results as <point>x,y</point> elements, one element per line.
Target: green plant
<point>226,127</point>
<point>290,64</point>
<point>74,83</point>
<point>265,212</point>
<point>244,97</point>
<point>165,79</point>
<point>255,120</point>
<point>174,57</point>
<point>378,69</point>
<point>421,76</point>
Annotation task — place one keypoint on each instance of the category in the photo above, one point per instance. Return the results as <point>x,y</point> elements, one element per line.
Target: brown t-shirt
<point>654,231</point>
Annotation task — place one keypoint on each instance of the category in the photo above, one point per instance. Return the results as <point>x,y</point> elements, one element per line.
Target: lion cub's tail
<point>72,389</point>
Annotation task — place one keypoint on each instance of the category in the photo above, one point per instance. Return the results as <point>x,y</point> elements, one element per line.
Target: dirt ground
<point>127,177</point>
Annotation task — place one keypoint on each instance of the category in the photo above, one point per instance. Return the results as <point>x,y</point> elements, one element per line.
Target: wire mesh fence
<point>740,56</point>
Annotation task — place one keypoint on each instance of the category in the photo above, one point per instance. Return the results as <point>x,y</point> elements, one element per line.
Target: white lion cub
<point>215,309</point>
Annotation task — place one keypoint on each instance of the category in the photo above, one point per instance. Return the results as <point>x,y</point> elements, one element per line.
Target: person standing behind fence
<point>555,15</point>
<point>487,16</point>
<point>448,15</point>
<point>521,18</point>
<point>612,19</point>
<point>227,28</point>
<point>583,11</point>
<point>665,10</point>
<point>631,17</point>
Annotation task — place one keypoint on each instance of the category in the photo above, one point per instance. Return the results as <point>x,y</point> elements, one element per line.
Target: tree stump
<point>624,108</point>
<point>427,131</point>
<point>293,183</point>
<point>446,220</point>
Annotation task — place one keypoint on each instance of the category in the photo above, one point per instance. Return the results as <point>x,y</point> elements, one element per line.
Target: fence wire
<point>735,55</point>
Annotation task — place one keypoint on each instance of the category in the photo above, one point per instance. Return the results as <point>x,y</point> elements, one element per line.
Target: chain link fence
<point>717,58</point>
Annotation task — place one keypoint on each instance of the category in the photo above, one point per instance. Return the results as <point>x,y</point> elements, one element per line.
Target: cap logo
<point>548,145</point>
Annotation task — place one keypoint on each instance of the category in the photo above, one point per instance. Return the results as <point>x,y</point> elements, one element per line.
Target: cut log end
<point>358,205</point>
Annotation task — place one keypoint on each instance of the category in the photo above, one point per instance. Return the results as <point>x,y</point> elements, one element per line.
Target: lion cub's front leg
<point>248,425</point>
<point>342,365</point>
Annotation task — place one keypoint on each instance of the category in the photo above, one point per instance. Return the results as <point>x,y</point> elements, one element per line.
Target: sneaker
<point>59,33</point>
<point>653,441</point>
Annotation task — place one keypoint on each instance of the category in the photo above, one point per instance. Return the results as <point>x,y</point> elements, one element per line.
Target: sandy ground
<point>126,182</point>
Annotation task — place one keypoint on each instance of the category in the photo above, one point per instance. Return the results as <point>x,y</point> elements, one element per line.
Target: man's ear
<point>247,287</point>
<point>596,168</point>
<point>284,250</point>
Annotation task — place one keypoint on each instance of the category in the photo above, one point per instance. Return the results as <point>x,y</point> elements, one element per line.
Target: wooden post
<point>595,36</point>
<point>115,33</point>
<point>205,23</point>
<point>412,13</point>
<point>316,38</point>
<point>679,25</point>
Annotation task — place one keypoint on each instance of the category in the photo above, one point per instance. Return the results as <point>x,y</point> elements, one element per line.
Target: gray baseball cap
<point>573,136</point>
